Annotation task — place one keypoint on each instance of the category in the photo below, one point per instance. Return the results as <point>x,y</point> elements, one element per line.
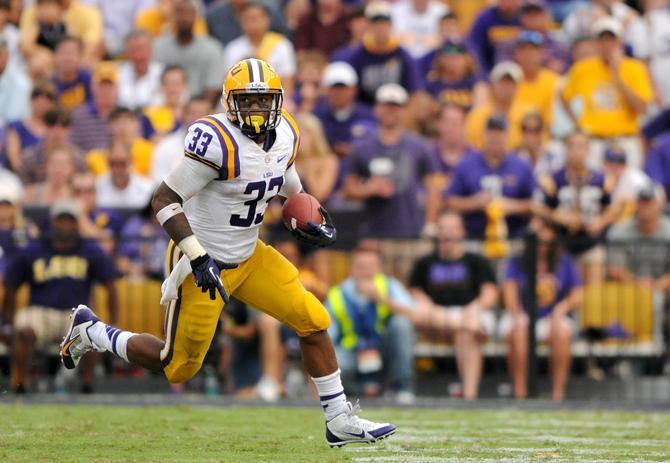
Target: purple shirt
<point>590,199</point>
<point>551,288</point>
<point>75,93</point>
<point>60,281</point>
<point>405,164</point>
<point>458,93</point>
<point>376,69</point>
<point>488,32</point>
<point>513,178</point>
<point>658,162</point>
<point>361,122</point>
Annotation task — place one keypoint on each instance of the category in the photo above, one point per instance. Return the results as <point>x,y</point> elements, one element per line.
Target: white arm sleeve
<point>188,177</point>
<point>292,183</point>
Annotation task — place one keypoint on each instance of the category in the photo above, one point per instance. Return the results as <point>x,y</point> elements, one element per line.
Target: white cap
<point>9,194</point>
<point>392,94</point>
<point>506,68</point>
<point>65,207</point>
<point>607,24</point>
<point>340,73</point>
<point>378,9</point>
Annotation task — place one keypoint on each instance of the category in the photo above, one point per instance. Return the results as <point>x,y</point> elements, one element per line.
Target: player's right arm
<point>203,157</point>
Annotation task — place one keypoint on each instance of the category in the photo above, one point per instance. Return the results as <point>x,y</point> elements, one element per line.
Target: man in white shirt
<point>120,187</point>
<point>628,180</point>
<point>170,149</point>
<point>416,23</point>
<point>140,75</point>
<point>15,88</point>
<point>258,42</point>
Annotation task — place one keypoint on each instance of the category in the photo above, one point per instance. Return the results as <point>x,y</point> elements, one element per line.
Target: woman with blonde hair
<point>60,168</point>
<point>316,162</point>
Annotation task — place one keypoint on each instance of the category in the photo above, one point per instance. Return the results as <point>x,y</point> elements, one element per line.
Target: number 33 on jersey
<point>226,213</point>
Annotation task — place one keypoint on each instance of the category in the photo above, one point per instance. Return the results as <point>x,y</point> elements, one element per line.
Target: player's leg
<point>272,286</point>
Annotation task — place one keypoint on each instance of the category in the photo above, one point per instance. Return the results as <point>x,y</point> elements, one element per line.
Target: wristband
<point>168,212</point>
<point>191,247</point>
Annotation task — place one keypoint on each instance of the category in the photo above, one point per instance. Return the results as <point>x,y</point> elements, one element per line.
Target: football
<point>300,209</point>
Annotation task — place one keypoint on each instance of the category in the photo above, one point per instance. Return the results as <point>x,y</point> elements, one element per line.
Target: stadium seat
<point>628,305</point>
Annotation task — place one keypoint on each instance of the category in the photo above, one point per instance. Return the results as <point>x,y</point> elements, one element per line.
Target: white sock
<point>111,339</point>
<point>331,394</point>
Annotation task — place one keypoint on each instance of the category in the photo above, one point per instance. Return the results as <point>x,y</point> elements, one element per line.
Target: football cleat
<point>347,428</point>
<point>77,341</point>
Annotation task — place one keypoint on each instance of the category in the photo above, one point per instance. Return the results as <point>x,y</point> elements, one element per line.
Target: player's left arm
<point>324,233</point>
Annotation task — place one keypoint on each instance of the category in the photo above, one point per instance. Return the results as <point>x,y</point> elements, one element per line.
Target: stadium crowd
<point>440,132</point>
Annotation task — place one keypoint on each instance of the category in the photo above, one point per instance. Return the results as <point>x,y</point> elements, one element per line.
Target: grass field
<point>33,433</point>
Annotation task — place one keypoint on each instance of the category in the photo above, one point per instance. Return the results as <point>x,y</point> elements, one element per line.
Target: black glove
<point>322,235</point>
<point>207,273</point>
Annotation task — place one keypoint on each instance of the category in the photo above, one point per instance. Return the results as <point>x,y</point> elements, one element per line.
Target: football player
<point>212,204</point>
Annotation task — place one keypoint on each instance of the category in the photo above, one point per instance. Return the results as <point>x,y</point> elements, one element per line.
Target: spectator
<point>648,36</point>
<point>539,85</point>
<point>10,33</point>
<point>33,160</point>
<point>23,134</point>
<point>259,42</point>
<point>358,26</point>
<point>342,117</point>
<point>637,249</point>
<point>166,117</point>
<point>317,164</point>
<point>15,230</point>
<point>492,28</point>
<point>60,271</point>
<point>90,123</point>
<point>119,18</point>
<point>658,162</point>
<point>452,77</point>
<point>200,56</point>
<point>579,201</point>
<point>223,20</point>
<point>378,60</point>
<point>57,184</point>
<point>451,147</point>
<point>125,128</point>
<point>533,150</point>
<point>140,75</point>
<point>463,285</point>
<point>387,172</point>
<point>142,245</point>
<point>14,88</point>
<point>614,92</point>
<point>535,17</point>
<point>492,189</point>
<point>41,66</point>
<point>580,22</point>
<point>81,21</point>
<point>311,64</point>
<point>368,336</point>
<point>505,79</point>
<point>48,30</point>
<point>71,79</point>
<point>121,188</point>
<point>416,25</point>
<point>627,181</point>
<point>162,19</point>
<point>559,294</point>
<point>325,27</point>
<point>170,149</point>
<point>102,225</point>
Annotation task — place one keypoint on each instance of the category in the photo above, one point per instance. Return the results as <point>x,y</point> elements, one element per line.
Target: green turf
<point>35,433</point>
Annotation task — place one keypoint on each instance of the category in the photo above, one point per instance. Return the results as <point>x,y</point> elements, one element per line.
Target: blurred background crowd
<point>437,133</point>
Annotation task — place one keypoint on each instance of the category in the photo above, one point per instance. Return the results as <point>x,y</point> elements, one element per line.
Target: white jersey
<point>226,213</point>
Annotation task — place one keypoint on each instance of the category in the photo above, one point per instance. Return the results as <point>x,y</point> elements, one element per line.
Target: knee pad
<point>315,317</point>
<point>181,372</point>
